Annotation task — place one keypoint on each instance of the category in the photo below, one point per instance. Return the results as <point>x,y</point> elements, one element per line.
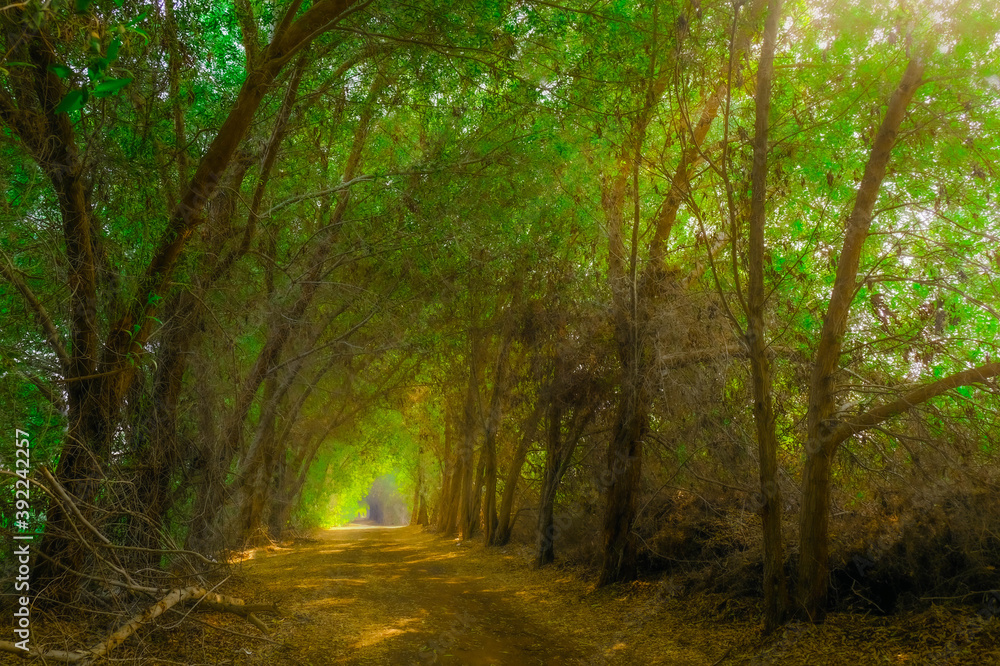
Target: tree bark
<point>467,450</point>
<point>448,513</point>
<point>820,444</point>
<point>528,429</point>
<point>545,538</point>
<point>500,375</point>
<point>775,590</point>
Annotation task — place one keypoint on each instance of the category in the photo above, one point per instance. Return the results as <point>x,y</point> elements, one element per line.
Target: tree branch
<point>858,226</point>
<point>248,27</point>
<point>130,332</point>
<point>52,336</point>
<point>877,415</point>
<point>215,602</point>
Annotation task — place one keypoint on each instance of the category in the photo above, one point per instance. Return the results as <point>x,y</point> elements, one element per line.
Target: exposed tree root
<point>208,601</point>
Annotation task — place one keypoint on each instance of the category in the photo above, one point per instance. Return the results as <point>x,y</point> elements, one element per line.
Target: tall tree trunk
<point>622,477</point>
<point>255,479</point>
<point>418,487</point>
<point>820,445</point>
<point>500,375</point>
<point>422,514</point>
<point>775,590</point>
<point>449,509</point>
<point>545,538</point>
<point>632,295</point>
<point>475,498</point>
<point>466,452</point>
<point>558,455</point>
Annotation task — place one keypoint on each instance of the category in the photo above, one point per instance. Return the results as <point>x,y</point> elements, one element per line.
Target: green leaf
<point>73,101</point>
<point>110,87</point>
<point>81,5</point>
<point>62,71</point>
<point>95,70</point>
<point>113,48</point>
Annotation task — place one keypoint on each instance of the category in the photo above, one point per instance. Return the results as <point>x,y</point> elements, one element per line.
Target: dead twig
<point>216,601</point>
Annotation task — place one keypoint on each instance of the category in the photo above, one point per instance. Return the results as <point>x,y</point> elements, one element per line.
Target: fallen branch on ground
<point>208,601</point>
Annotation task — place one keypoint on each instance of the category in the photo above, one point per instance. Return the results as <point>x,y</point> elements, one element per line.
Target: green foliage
<point>494,131</point>
<point>381,445</point>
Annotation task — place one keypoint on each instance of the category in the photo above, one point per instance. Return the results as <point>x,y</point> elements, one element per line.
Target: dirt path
<point>375,595</point>
<point>401,596</point>
<point>385,596</point>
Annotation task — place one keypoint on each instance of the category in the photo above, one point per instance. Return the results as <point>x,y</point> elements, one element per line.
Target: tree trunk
<point>256,477</point>
<point>466,451</point>
<point>448,512</point>
<point>528,429</point>
<point>545,538</point>
<point>622,478</point>
<point>775,590</point>
<point>631,301</point>
<point>820,445</point>
<point>418,488</point>
<point>490,518</point>
<point>474,500</point>
<point>422,514</point>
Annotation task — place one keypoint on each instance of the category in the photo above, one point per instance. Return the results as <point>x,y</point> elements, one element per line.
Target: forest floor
<point>400,596</point>
<point>376,595</point>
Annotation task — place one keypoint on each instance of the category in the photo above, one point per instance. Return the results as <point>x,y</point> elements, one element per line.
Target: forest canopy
<point>653,286</point>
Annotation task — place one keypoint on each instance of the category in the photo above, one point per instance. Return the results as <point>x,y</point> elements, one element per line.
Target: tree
<point>825,431</point>
<point>98,376</point>
<point>775,590</point>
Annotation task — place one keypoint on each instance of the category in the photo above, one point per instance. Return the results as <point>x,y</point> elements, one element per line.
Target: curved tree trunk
<point>820,444</point>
